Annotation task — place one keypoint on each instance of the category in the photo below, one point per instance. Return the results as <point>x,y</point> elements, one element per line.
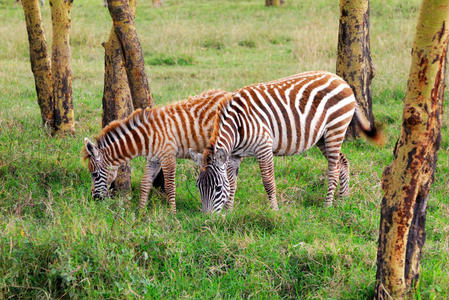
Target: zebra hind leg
<point>344,176</point>
<point>152,168</point>
<point>266,165</point>
<point>330,147</point>
<point>169,170</point>
<point>343,166</point>
<point>332,173</point>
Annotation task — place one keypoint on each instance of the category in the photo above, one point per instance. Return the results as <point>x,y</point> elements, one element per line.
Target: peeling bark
<point>117,101</point>
<point>40,60</point>
<point>118,93</point>
<point>123,22</point>
<point>406,182</point>
<point>354,62</point>
<point>61,70</point>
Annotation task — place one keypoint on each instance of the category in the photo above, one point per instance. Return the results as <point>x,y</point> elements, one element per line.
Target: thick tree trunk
<point>406,182</point>
<point>117,101</point>
<point>354,62</point>
<point>125,30</point>
<point>118,91</point>
<point>61,70</point>
<point>40,60</point>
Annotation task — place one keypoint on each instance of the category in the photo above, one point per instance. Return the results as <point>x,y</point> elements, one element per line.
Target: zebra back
<point>162,129</point>
<point>294,112</point>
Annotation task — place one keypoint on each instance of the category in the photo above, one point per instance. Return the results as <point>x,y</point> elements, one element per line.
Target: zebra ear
<point>91,149</point>
<point>195,156</point>
<point>221,157</point>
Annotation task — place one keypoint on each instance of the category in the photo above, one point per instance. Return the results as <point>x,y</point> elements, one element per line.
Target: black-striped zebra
<point>281,117</point>
<point>162,134</point>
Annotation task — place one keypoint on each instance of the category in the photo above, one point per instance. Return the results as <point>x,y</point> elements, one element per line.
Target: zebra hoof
<point>327,203</point>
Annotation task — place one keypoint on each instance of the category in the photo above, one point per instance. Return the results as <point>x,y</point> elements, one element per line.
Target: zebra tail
<point>372,133</point>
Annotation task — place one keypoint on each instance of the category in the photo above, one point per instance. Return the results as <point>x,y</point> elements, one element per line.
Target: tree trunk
<point>117,101</point>
<point>274,2</point>
<point>61,70</point>
<point>123,22</point>
<point>40,60</point>
<point>354,62</point>
<point>406,182</point>
<point>117,97</point>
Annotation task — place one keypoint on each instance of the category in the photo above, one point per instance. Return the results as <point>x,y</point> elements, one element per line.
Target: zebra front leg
<point>266,165</point>
<point>233,171</point>
<point>152,168</point>
<point>344,176</point>
<point>169,170</point>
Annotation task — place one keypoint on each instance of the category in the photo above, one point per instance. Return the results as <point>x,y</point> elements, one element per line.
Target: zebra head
<point>102,174</point>
<point>213,182</point>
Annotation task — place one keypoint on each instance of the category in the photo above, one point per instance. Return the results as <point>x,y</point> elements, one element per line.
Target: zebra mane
<point>210,149</point>
<point>193,100</point>
<point>137,114</point>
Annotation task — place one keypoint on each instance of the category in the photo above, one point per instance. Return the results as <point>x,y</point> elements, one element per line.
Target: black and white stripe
<point>283,117</point>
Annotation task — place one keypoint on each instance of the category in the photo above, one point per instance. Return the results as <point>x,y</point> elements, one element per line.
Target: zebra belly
<point>299,147</point>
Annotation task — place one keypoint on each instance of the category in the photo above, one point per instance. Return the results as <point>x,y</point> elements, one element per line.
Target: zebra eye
<point>95,174</point>
<point>218,188</point>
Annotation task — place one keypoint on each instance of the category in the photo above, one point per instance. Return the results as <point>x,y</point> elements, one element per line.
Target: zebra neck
<point>126,140</point>
<point>113,157</point>
<point>224,144</point>
<point>228,137</point>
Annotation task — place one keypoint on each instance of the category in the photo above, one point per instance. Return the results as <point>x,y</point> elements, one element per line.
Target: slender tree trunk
<point>61,70</point>
<point>354,62</point>
<point>117,101</point>
<point>406,182</point>
<point>125,30</point>
<point>40,60</point>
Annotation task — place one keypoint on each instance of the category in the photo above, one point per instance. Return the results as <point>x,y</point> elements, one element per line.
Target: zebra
<point>162,134</point>
<point>281,117</point>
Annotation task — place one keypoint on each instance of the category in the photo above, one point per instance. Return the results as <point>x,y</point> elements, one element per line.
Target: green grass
<point>55,241</point>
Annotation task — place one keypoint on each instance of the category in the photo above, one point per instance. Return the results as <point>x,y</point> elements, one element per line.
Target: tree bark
<point>274,2</point>
<point>354,62</point>
<point>123,22</point>
<point>117,101</point>
<point>61,70</point>
<point>406,182</point>
<point>117,95</point>
<point>40,60</point>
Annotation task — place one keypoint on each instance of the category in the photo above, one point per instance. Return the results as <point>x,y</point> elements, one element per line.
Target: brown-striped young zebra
<point>281,117</point>
<point>162,134</point>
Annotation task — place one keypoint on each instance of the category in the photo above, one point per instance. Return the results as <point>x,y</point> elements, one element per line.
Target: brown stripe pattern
<point>162,134</point>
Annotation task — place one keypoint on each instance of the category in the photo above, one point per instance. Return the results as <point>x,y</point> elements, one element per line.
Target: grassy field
<point>56,242</point>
